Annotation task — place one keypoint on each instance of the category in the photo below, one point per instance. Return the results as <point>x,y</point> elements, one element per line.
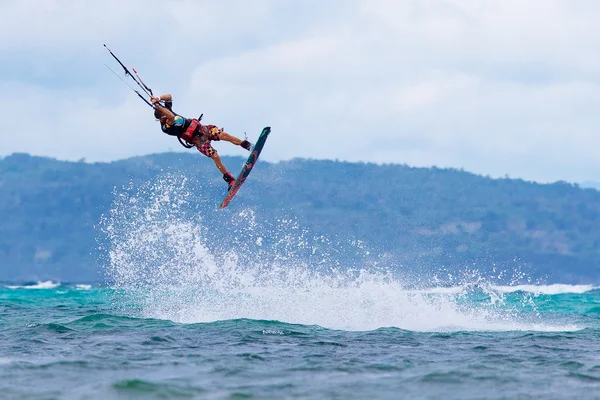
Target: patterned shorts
<point>203,144</point>
<point>215,133</point>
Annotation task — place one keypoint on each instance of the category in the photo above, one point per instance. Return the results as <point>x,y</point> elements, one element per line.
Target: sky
<point>498,88</point>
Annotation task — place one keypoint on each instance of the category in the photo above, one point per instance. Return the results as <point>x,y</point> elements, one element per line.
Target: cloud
<point>493,87</point>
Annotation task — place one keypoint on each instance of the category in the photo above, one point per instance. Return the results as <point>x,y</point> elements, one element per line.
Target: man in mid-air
<point>194,133</point>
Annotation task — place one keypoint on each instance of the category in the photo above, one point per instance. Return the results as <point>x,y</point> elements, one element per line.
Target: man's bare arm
<point>163,97</point>
<point>165,112</point>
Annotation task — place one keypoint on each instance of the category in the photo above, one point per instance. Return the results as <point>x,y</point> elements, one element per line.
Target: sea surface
<point>368,340</point>
<point>225,305</point>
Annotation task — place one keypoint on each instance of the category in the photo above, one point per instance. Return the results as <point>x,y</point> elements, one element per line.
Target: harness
<point>189,134</point>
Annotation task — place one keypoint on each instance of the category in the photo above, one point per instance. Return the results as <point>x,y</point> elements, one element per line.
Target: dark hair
<point>157,113</point>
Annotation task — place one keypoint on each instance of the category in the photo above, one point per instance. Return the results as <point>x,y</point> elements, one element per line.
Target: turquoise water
<point>382,341</point>
<point>223,305</point>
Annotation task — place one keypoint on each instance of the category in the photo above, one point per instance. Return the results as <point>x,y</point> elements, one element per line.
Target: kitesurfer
<point>194,134</point>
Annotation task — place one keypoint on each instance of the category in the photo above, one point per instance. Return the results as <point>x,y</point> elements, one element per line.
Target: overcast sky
<point>497,87</point>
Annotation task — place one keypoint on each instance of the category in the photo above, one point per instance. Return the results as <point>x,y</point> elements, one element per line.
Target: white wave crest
<point>546,289</point>
<point>38,285</point>
<point>552,289</point>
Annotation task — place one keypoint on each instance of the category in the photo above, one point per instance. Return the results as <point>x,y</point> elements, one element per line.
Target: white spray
<point>169,266</point>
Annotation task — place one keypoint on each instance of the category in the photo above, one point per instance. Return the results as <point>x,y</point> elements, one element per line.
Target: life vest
<point>185,137</point>
<point>188,134</point>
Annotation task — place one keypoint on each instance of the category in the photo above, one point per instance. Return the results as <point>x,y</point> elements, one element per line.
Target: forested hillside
<point>411,218</point>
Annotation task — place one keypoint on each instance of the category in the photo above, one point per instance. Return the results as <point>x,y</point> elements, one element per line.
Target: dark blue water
<point>69,342</point>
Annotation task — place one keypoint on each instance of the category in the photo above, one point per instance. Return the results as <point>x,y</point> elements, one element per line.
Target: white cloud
<point>495,87</point>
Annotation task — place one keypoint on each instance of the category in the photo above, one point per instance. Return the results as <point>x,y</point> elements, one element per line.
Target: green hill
<point>412,219</point>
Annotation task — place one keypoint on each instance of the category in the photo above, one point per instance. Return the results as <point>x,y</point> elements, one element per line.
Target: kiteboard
<point>254,153</point>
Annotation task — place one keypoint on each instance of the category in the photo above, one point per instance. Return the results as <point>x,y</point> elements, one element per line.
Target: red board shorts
<point>203,144</point>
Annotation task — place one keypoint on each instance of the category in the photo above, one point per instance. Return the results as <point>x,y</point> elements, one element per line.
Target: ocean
<point>369,339</point>
<point>226,306</point>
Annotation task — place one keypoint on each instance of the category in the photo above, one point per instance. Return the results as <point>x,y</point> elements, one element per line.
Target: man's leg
<point>230,138</point>
<point>207,150</point>
<point>215,157</point>
<point>227,177</point>
<point>219,134</point>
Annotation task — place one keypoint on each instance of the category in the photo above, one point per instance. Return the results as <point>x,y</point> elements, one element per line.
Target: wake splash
<point>168,264</point>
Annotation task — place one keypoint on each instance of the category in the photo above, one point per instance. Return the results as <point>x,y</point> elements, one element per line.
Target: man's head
<point>160,116</point>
